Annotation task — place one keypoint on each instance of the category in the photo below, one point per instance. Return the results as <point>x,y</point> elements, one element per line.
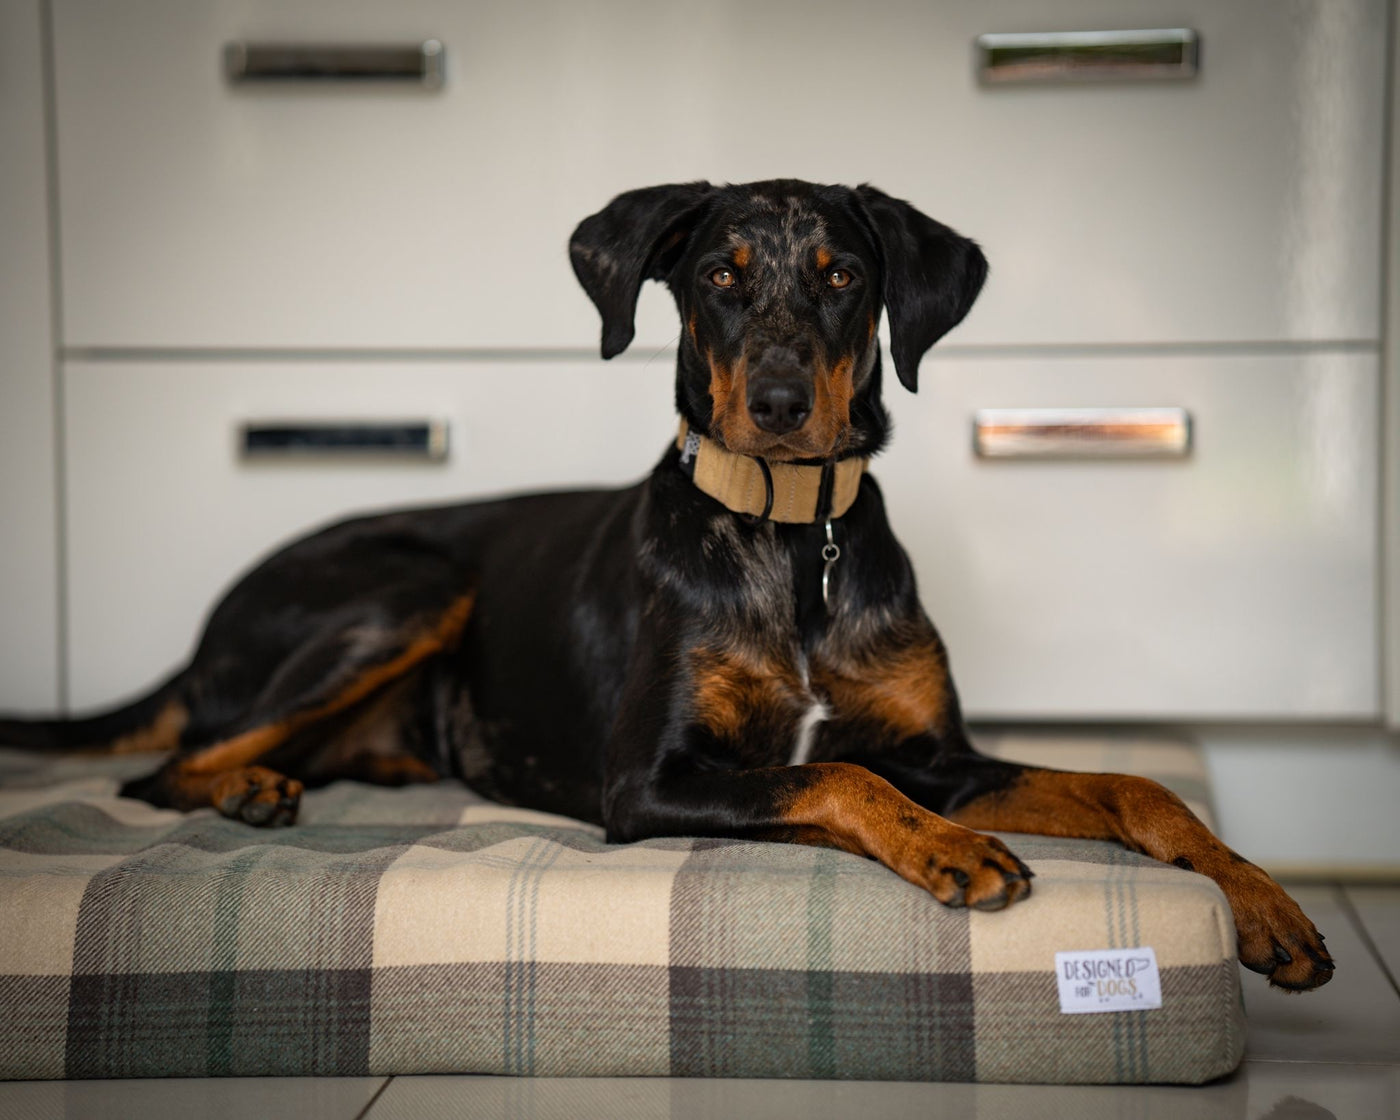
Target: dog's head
<point>780,286</point>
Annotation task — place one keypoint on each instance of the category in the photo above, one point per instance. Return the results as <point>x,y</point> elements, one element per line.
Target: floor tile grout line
<point>1346,1063</point>
<point>1359,924</point>
<point>369,1104</point>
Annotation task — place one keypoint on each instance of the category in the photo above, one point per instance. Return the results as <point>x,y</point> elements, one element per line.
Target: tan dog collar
<point>786,492</point>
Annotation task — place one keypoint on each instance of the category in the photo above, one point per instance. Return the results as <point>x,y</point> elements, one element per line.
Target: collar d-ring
<point>831,552</point>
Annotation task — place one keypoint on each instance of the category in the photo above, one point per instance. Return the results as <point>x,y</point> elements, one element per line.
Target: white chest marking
<point>816,712</point>
<point>807,732</point>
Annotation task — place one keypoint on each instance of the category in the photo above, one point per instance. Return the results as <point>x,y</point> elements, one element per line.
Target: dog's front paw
<point>1275,936</point>
<point>257,796</point>
<point>972,869</point>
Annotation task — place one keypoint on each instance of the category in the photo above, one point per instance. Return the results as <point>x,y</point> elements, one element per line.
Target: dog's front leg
<point>1275,936</point>
<point>690,755</point>
<point>833,804</point>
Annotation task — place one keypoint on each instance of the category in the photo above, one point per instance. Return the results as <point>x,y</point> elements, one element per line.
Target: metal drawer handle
<point>1082,56</point>
<point>1073,433</point>
<point>335,62</point>
<point>412,439</point>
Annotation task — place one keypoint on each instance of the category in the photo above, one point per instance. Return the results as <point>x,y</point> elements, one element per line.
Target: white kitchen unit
<point>166,508</point>
<point>1209,243</point>
<point>1242,204</point>
<point>29,630</point>
<point>313,253</point>
<point>1390,487</point>
<point>1234,579</point>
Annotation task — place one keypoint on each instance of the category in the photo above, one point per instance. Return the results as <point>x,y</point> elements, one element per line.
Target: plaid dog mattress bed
<point>425,930</point>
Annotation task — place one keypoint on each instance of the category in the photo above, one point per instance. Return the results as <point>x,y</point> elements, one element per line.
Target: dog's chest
<point>772,663</point>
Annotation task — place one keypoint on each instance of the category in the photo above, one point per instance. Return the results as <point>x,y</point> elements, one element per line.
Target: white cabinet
<point>1211,243</point>
<point>1243,204</point>
<point>28,535</point>
<point>165,510</point>
<point>1237,581</point>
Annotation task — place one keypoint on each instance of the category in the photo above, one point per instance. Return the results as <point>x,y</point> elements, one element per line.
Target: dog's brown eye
<point>838,278</point>
<point>722,278</point>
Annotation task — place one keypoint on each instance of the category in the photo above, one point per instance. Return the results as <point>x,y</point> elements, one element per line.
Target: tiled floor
<point>1332,1054</point>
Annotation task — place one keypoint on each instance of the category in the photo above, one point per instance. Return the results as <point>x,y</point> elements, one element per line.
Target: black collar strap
<point>785,492</point>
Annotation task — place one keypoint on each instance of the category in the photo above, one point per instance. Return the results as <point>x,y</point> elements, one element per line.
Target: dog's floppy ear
<point>932,277</point>
<point>634,238</point>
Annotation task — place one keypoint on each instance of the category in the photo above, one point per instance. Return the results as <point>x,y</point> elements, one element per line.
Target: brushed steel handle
<point>335,62</point>
<point>1086,56</point>
<point>409,439</point>
<point>1072,433</point>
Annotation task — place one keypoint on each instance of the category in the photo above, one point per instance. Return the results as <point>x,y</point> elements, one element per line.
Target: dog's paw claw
<point>979,872</point>
<point>1276,938</point>
<point>257,796</point>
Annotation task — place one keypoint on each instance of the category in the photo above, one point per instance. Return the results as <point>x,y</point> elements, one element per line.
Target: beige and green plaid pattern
<point>424,930</point>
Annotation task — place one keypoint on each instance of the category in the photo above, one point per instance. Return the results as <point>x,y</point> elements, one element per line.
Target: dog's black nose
<point>779,404</point>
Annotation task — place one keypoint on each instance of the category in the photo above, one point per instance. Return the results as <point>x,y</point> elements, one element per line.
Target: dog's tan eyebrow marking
<point>742,255</point>
<point>823,258</point>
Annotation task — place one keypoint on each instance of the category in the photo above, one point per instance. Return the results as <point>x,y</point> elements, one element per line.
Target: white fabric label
<point>1108,980</point>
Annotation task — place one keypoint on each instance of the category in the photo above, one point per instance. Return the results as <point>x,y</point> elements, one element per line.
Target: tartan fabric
<point>425,930</point>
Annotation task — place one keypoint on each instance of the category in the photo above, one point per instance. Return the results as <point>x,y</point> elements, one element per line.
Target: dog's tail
<point>152,723</point>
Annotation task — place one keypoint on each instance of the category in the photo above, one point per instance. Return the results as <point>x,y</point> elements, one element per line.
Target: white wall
<point>28,544</point>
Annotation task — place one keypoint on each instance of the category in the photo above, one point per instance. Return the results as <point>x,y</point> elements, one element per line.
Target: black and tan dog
<point>734,647</point>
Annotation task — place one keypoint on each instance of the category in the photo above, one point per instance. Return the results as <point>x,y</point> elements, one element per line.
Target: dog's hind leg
<point>336,670</point>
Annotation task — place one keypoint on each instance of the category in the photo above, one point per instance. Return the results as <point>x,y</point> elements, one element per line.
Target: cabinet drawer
<point>1243,204</point>
<point>1238,580</point>
<point>165,509</point>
